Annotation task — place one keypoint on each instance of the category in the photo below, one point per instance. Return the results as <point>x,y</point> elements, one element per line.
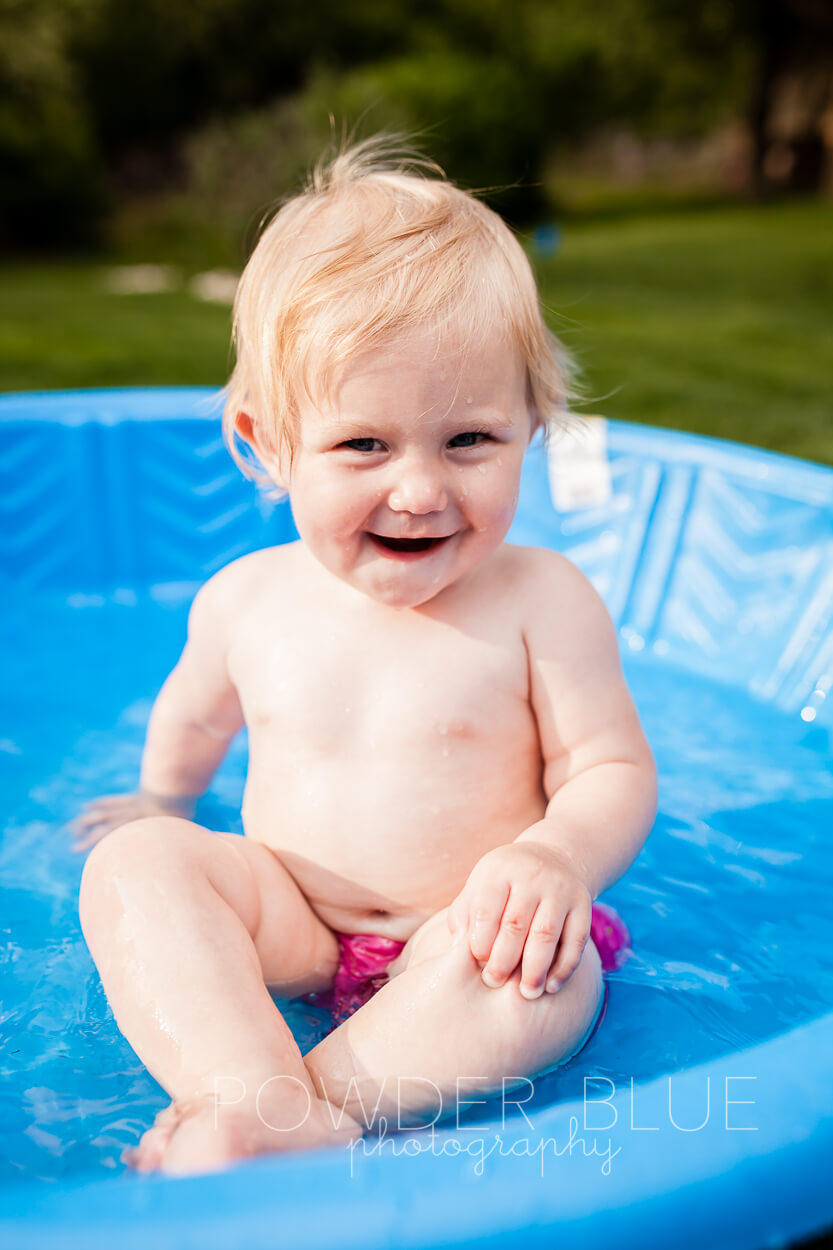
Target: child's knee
<point>138,839</point>
<point>124,855</point>
<point>527,1035</point>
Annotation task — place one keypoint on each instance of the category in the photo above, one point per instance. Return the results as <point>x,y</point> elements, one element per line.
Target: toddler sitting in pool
<point>445,765</point>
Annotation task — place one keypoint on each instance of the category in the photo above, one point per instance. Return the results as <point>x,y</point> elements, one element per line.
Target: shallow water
<point>728,903</point>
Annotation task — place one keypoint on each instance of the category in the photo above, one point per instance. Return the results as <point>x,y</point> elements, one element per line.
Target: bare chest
<point>335,690</point>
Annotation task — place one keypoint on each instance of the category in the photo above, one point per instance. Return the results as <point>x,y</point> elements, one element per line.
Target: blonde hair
<point>378,243</point>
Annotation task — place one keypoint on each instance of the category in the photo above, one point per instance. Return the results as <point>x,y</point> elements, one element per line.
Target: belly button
<point>379,911</point>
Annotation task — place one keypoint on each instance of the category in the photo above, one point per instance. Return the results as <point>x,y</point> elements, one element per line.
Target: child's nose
<point>418,489</point>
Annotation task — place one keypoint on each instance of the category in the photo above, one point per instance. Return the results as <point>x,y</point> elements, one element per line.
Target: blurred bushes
<point>232,175</point>
<point>476,115</point>
<point>220,103</point>
<point>50,174</point>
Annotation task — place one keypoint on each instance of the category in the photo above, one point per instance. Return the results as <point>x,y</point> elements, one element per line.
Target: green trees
<point>50,175</point>
<point>96,96</point>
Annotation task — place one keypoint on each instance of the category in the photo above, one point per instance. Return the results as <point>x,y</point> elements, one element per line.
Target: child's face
<point>408,478</point>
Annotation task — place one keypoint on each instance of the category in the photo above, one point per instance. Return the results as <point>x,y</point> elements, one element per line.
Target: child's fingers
<point>90,829</point>
<point>89,818</point>
<point>511,937</point>
<point>574,937</point>
<point>84,844</point>
<point>82,824</point>
<point>97,820</point>
<point>485,910</point>
<point>97,809</point>
<point>81,829</point>
<point>540,948</point>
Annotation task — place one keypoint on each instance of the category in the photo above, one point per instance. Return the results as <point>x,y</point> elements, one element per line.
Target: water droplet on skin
<point>445,751</point>
<point>499,460</point>
<point>443,729</point>
<point>481,468</point>
<point>166,1027</point>
<point>468,399</point>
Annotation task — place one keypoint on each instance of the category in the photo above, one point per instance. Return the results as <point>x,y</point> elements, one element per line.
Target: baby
<point>445,766</point>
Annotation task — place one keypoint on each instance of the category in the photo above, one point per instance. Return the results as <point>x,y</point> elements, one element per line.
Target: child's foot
<point>197,1135</point>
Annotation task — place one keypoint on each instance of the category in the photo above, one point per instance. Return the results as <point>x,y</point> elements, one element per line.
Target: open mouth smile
<point>406,548</point>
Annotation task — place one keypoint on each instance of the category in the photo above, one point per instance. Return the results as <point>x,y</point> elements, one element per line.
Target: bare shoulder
<point>548,578</point>
<point>237,586</point>
<point>538,563</point>
<point>561,609</point>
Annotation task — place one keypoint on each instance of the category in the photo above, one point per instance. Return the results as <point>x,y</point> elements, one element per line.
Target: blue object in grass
<point>546,239</point>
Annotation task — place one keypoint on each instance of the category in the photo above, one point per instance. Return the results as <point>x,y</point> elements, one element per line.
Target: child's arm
<point>194,718</point>
<point>530,902</point>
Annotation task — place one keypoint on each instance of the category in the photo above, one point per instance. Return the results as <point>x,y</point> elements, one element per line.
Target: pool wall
<point>713,556</point>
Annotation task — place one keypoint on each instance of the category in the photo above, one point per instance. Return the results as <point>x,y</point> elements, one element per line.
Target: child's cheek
<point>500,498</point>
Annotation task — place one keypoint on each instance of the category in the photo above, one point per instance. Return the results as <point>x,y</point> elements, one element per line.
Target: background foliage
<point>647,150</point>
<point>100,99</point>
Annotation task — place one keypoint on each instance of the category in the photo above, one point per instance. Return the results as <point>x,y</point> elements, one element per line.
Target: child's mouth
<point>406,548</point>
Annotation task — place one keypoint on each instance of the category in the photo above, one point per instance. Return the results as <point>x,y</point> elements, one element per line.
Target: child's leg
<point>185,928</point>
<point>435,1031</point>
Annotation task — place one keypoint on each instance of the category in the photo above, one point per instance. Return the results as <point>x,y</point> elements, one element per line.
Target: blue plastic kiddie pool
<point>700,1113</point>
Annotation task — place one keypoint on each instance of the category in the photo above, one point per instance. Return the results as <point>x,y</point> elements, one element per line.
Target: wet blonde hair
<point>377,244</point>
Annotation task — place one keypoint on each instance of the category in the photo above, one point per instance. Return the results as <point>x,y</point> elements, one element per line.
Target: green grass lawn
<point>714,320</point>
<point>718,321</point>
<point>61,327</point>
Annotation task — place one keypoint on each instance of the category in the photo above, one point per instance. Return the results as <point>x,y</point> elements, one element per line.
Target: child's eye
<point>361,444</point>
<point>472,438</point>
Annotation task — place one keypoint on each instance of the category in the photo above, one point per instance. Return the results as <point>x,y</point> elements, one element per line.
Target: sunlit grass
<point>719,321</point>
<point>714,320</point>
<point>61,327</point>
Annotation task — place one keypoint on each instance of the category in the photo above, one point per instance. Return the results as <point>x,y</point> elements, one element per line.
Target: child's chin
<point>403,596</point>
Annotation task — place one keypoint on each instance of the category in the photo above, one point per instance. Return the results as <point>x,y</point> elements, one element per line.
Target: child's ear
<point>247,429</point>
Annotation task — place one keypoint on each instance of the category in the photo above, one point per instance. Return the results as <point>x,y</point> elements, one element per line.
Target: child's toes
<point>152,1149</point>
<point>147,1156</point>
<point>199,1146</point>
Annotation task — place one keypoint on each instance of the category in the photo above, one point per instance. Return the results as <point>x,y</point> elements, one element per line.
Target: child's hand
<point>524,904</point>
<point>102,816</point>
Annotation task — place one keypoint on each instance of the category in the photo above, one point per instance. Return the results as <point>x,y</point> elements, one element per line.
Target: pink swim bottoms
<point>610,935</point>
<point>365,957</point>
<point>362,970</point>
